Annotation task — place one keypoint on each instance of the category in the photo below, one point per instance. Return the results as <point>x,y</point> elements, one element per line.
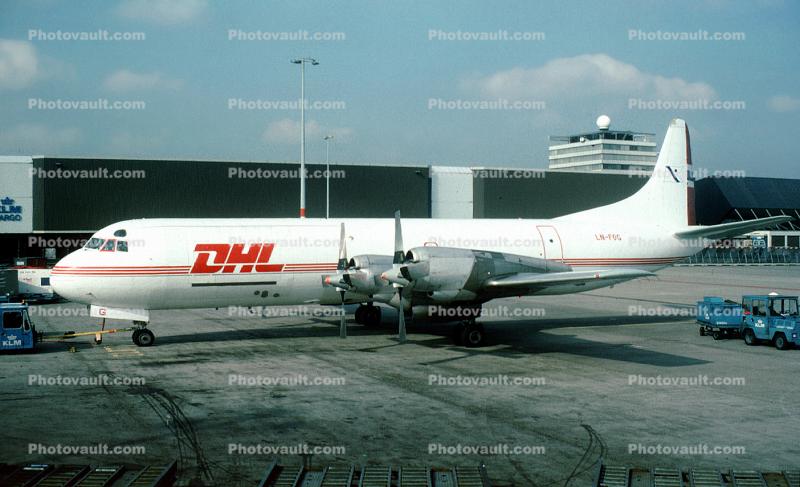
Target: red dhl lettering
<point>230,258</point>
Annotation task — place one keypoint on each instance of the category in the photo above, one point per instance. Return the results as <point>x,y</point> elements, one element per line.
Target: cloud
<point>287,131</point>
<point>33,139</point>
<point>165,12</point>
<point>19,64</point>
<point>783,103</point>
<point>125,80</point>
<point>126,143</point>
<point>587,75</point>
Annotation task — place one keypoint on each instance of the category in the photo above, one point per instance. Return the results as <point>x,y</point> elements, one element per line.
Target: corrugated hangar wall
<point>211,189</point>
<point>548,195</point>
<point>195,189</point>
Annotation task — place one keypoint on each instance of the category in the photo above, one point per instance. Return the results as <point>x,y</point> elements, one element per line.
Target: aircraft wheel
<point>750,337</point>
<point>716,335</point>
<point>457,331</point>
<point>473,335</point>
<point>143,337</point>
<point>702,331</point>
<point>372,316</point>
<point>360,314</point>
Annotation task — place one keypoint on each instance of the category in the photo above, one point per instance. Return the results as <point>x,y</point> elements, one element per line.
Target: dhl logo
<point>228,257</point>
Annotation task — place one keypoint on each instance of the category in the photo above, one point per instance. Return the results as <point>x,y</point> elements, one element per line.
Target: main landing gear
<point>143,337</point>
<point>470,334</point>
<point>369,315</point>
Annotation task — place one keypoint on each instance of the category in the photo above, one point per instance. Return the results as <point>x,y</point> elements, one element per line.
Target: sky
<point>398,82</point>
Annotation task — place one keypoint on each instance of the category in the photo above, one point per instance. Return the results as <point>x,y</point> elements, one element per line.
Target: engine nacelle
<point>365,270</point>
<point>452,274</point>
<point>439,269</point>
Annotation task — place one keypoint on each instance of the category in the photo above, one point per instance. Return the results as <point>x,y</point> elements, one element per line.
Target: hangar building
<point>49,205</point>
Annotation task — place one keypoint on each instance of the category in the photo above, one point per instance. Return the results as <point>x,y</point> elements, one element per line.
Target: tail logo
<point>672,173</point>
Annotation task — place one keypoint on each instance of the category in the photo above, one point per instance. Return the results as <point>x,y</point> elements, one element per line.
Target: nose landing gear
<point>143,337</point>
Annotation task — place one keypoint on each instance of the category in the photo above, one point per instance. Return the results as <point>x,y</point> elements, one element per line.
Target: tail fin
<point>667,199</point>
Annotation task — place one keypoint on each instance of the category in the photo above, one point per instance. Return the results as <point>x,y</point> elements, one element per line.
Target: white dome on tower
<point>603,122</point>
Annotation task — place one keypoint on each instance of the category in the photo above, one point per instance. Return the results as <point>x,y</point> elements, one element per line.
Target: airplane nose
<point>68,284</point>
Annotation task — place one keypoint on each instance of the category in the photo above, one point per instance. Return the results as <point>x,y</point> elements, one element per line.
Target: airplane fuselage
<point>193,263</point>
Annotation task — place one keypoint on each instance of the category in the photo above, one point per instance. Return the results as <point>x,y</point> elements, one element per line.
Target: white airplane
<point>451,267</point>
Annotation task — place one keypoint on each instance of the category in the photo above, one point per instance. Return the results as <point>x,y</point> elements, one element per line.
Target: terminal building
<point>604,150</point>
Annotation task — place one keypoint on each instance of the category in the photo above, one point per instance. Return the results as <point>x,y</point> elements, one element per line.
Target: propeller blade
<point>343,319</point>
<point>399,255</point>
<point>342,264</point>
<point>347,279</point>
<point>401,317</point>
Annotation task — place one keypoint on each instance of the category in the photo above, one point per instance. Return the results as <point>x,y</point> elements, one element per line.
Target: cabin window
<point>12,320</point>
<point>759,307</point>
<point>109,245</point>
<point>122,246</point>
<point>120,233</point>
<point>93,243</point>
<point>786,307</point>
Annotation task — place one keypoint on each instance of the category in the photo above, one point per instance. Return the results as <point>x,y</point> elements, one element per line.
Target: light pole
<point>327,140</point>
<point>302,62</point>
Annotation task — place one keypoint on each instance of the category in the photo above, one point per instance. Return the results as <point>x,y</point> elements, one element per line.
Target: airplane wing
<point>731,229</point>
<point>543,280</point>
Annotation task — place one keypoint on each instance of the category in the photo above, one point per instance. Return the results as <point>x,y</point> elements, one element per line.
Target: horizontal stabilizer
<point>734,229</point>
<point>529,279</point>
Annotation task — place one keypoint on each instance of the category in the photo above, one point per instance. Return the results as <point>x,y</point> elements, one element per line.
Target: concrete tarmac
<point>619,374</point>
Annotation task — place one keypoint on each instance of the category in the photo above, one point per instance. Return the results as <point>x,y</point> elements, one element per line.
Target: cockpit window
<point>109,245</point>
<point>122,246</point>
<point>120,233</point>
<point>93,243</point>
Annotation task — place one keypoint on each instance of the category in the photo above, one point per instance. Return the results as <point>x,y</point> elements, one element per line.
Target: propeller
<point>341,266</point>
<point>396,278</point>
<point>341,280</point>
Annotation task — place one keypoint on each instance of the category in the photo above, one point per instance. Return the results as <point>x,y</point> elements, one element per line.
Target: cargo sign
<point>9,212</point>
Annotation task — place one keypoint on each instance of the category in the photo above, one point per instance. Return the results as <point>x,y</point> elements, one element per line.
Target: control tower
<point>604,150</point>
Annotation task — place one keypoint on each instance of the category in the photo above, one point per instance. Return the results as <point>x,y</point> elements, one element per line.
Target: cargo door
<point>551,242</point>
